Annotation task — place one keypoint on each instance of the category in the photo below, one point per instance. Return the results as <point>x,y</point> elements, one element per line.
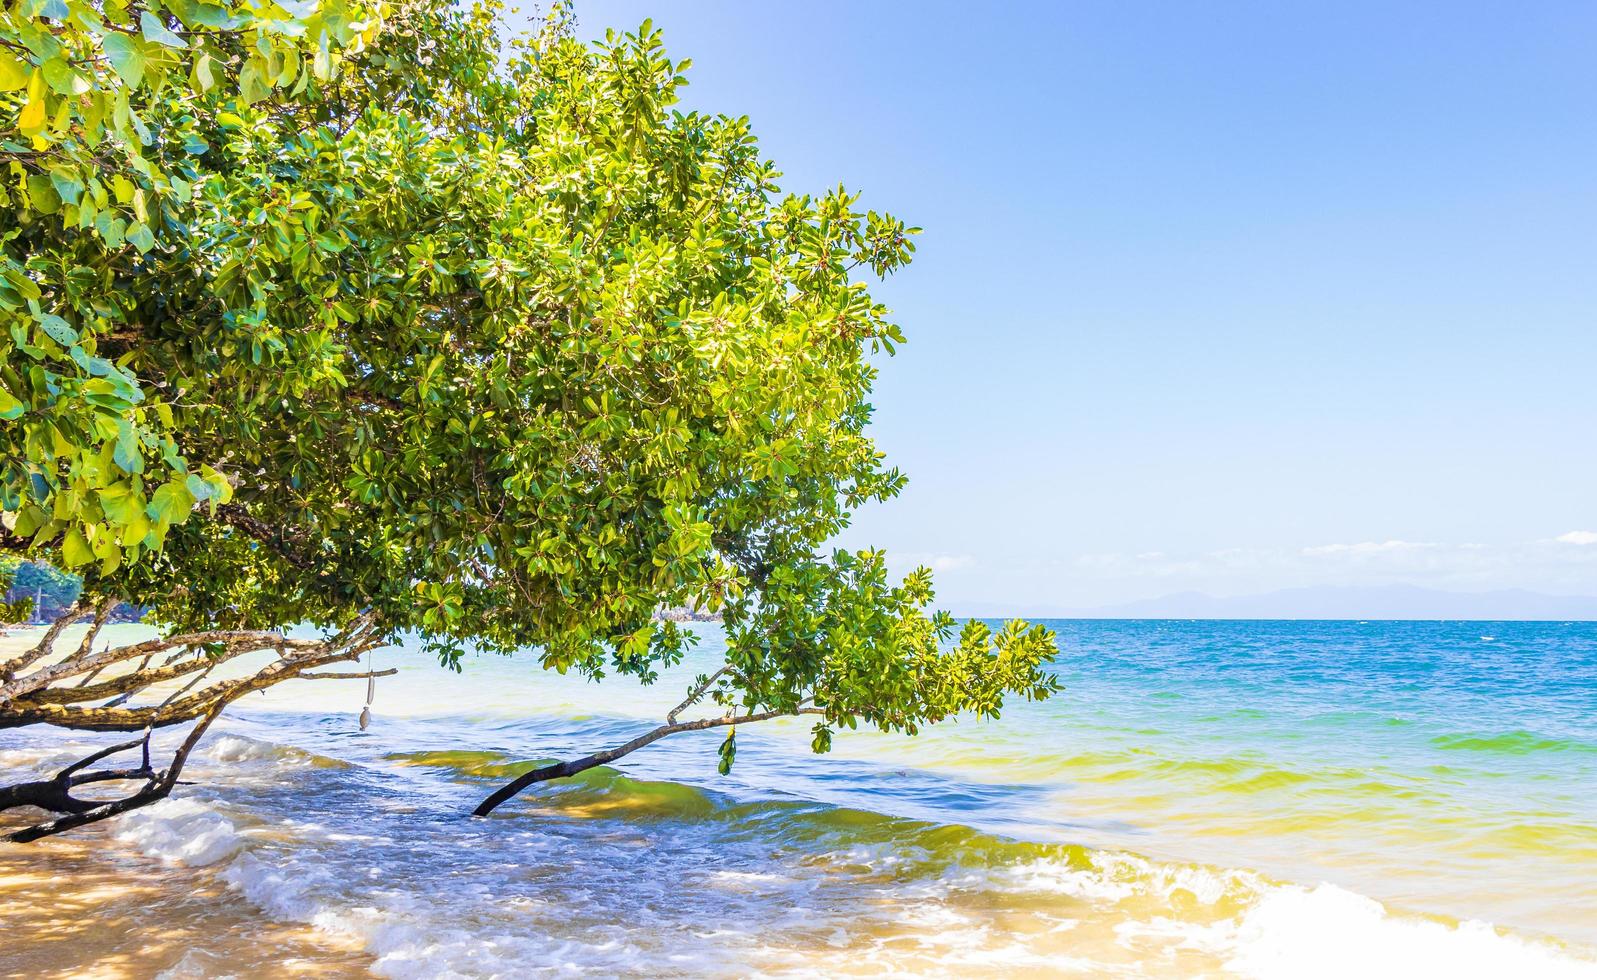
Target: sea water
<point>1258,799</point>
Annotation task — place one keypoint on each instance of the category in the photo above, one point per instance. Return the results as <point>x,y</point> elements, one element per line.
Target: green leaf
<point>75,549</point>
<point>13,72</point>
<point>121,504</point>
<point>62,79</point>
<point>208,15</point>
<point>97,367</point>
<point>30,519</point>
<point>141,237</point>
<point>10,408</point>
<point>25,287</point>
<point>42,193</point>
<point>822,742</point>
<point>202,78</point>
<point>158,33</point>
<point>172,503</point>
<point>127,453</point>
<point>111,228</point>
<point>126,55</point>
<point>136,530</point>
<point>198,487</point>
<point>66,186</point>
<point>220,488</point>
<point>58,329</point>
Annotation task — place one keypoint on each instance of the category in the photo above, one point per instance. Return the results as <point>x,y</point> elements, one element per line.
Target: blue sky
<point>1226,296</point>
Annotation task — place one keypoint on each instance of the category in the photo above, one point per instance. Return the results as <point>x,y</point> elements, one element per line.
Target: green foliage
<point>840,633</point>
<point>106,113</point>
<point>364,309</point>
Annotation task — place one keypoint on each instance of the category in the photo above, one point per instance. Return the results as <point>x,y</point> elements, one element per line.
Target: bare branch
<point>136,680</point>
<point>47,675</point>
<point>96,757</point>
<point>157,789</point>
<point>561,770</point>
<point>332,675</point>
<point>46,643</point>
<point>695,694</point>
<point>31,699</point>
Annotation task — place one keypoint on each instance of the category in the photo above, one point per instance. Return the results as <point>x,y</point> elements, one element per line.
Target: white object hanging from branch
<point>371,692</point>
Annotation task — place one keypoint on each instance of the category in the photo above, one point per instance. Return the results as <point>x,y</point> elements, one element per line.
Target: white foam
<point>1114,876</point>
<point>196,964</point>
<point>1296,933</point>
<point>1287,932</point>
<point>406,933</point>
<point>237,748</point>
<point>182,831</point>
<point>282,892</point>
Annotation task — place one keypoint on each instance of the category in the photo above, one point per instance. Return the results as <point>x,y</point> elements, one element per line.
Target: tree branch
<point>695,694</point>
<point>561,770</point>
<point>157,788</point>
<point>42,649</point>
<point>96,757</point>
<point>39,679</point>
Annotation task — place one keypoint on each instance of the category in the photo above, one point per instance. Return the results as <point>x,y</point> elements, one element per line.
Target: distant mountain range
<point>1327,602</point>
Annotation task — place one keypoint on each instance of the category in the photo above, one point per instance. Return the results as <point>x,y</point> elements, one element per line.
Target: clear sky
<point>1223,296</point>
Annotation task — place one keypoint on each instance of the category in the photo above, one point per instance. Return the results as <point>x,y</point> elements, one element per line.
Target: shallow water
<point>1252,799</point>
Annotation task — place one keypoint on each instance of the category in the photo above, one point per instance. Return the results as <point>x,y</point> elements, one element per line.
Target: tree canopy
<point>334,310</point>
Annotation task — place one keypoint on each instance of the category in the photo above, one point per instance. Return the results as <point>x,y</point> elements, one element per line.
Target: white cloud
<point>1544,565</point>
<point>947,563</point>
<point>1366,548</point>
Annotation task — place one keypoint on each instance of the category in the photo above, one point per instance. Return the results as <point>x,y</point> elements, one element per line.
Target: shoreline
<point>91,905</point>
<point>1065,834</point>
<point>150,901</point>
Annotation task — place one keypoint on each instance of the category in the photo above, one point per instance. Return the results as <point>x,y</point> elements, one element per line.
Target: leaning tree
<point>368,318</point>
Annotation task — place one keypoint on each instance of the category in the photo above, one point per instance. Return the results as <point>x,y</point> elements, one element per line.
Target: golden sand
<point>86,906</point>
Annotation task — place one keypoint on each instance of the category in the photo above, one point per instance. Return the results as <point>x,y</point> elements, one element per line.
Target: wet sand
<point>85,905</point>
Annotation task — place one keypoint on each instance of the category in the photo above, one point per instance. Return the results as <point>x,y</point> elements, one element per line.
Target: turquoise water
<point>1205,798</point>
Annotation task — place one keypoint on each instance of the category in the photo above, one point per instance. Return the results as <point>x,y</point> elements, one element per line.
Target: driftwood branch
<point>158,787</point>
<point>90,760</point>
<point>56,793</point>
<point>63,691</point>
<point>561,770</point>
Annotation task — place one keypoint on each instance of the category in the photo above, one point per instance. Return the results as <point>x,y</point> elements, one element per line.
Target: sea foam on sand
<point>180,831</point>
<point>1297,933</point>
